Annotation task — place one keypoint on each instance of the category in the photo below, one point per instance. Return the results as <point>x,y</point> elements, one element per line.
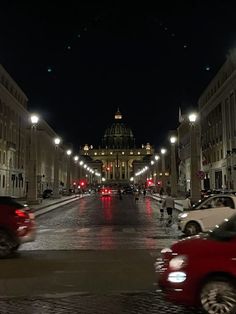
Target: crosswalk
<point>100,238</point>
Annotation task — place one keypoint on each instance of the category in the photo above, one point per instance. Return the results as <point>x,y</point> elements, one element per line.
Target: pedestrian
<point>120,194</point>
<point>136,195</point>
<point>169,204</point>
<point>144,192</point>
<point>187,203</point>
<point>161,191</point>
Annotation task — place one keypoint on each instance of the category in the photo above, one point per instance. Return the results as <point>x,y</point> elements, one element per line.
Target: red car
<point>17,225</point>
<point>106,192</point>
<point>201,270</point>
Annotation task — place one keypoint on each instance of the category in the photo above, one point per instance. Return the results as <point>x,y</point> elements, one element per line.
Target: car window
<point>214,202</point>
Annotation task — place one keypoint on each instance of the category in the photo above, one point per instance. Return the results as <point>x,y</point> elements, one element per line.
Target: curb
<point>43,210</point>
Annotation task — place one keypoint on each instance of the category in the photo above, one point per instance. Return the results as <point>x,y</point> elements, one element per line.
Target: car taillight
<point>21,214</point>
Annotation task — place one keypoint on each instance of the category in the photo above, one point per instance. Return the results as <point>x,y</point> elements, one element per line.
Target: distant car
<point>47,193</point>
<point>128,190</point>
<point>17,225</point>
<point>207,213</point>
<point>201,270</point>
<point>106,192</point>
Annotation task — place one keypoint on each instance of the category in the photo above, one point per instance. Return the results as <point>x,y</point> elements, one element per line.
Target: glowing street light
<point>32,194</point>
<point>173,140</point>
<point>57,141</point>
<point>195,183</point>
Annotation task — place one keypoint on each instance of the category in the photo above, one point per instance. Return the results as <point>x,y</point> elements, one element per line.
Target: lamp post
<point>68,153</point>
<point>163,167</point>
<point>76,172</point>
<point>195,183</point>
<point>57,141</point>
<point>32,195</point>
<point>173,178</point>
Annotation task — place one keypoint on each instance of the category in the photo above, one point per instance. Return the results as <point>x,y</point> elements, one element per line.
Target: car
<point>127,190</point>
<point>207,213</point>
<point>17,225</point>
<point>47,193</point>
<point>106,191</point>
<point>200,271</point>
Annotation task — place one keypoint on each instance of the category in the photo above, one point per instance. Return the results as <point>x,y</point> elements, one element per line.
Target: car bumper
<point>29,236</point>
<point>179,293</point>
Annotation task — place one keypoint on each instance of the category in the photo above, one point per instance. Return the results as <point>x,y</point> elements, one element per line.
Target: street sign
<point>200,174</point>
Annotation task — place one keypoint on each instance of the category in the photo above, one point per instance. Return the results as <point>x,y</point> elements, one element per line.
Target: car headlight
<point>178,262</point>
<point>177,277</point>
<point>183,215</point>
<point>166,250</point>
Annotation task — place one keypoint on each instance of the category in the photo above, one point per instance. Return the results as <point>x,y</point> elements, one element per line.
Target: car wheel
<point>218,296</point>
<point>192,228</point>
<point>5,244</point>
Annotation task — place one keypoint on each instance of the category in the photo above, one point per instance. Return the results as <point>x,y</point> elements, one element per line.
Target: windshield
<point>225,231</point>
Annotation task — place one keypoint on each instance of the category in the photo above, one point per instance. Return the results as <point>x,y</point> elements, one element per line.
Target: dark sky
<point>78,61</point>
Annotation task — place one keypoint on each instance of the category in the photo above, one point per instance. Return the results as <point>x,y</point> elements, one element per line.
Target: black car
<point>47,193</point>
<point>127,190</point>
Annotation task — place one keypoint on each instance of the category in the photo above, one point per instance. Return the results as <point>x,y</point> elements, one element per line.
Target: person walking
<point>169,204</point>
<point>144,192</point>
<point>136,195</point>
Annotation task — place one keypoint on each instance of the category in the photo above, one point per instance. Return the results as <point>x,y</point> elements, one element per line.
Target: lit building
<point>217,108</point>
<point>118,153</point>
<point>13,123</point>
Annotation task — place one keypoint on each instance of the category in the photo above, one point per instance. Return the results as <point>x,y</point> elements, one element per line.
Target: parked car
<point>207,213</point>
<point>17,225</point>
<point>201,270</point>
<point>47,193</point>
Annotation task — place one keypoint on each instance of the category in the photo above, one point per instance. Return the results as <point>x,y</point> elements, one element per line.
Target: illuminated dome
<point>118,135</point>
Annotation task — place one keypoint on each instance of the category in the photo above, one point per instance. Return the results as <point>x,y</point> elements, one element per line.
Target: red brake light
<point>21,213</point>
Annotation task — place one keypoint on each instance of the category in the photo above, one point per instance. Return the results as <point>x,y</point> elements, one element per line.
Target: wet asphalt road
<point>129,233</point>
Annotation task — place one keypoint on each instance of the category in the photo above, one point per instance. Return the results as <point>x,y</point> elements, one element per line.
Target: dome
<point>118,135</point>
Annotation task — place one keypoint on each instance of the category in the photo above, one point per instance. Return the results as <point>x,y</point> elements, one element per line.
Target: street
<point>94,255</point>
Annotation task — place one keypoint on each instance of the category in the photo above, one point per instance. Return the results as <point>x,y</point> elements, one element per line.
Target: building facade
<point>13,133</point>
<point>118,153</point>
<point>217,108</point>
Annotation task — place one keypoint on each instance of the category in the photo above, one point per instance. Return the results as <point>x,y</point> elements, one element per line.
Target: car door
<point>217,212</point>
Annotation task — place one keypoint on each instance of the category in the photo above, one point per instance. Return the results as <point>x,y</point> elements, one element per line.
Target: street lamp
<point>163,167</point>
<point>32,194</point>
<point>68,153</point>
<point>57,141</point>
<point>173,178</point>
<point>195,183</point>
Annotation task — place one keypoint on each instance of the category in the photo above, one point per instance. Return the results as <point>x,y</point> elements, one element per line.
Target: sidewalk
<point>52,203</point>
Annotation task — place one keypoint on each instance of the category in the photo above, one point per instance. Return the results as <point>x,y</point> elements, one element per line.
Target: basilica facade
<point>117,158</point>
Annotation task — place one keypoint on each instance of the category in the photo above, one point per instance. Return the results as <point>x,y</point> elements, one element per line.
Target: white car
<point>206,214</point>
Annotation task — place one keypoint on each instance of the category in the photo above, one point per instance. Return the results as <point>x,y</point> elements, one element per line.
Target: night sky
<point>78,61</point>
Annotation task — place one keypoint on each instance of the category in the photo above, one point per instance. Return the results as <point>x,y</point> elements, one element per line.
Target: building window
<point>3,181</point>
<point>4,158</point>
